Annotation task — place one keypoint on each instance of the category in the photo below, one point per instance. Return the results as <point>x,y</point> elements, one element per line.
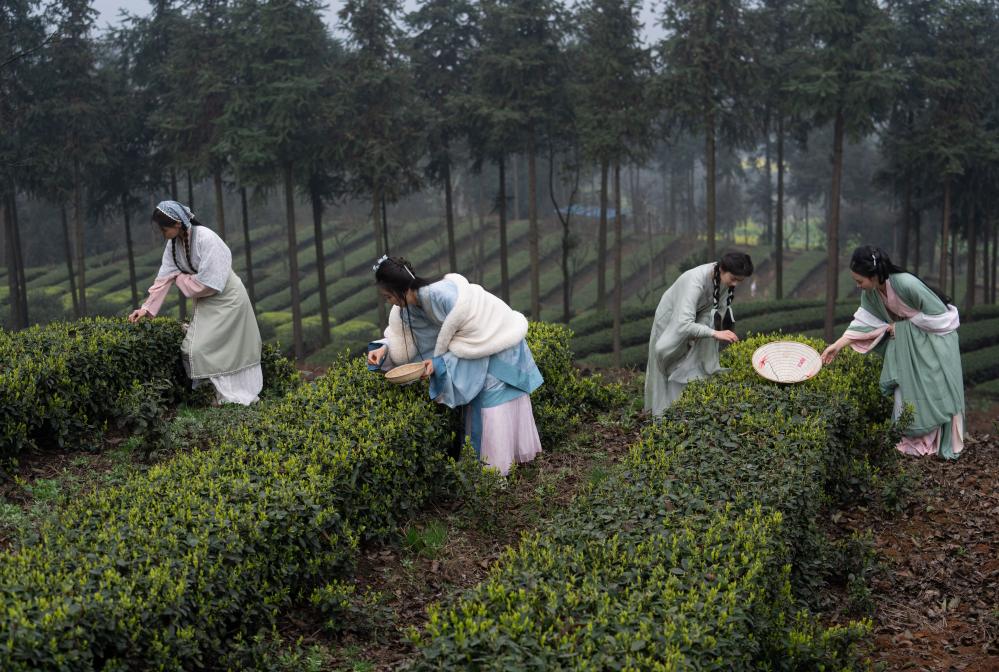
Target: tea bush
<point>62,384</point>
<point>566,396</point>
<point>184,565</point>
<point>160,572</point>
<point>684,557</point>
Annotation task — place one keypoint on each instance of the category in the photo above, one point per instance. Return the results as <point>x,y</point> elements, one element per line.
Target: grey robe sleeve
<point>682,326</point>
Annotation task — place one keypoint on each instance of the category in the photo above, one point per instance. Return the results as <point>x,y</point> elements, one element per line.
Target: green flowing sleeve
<point>916,294</point>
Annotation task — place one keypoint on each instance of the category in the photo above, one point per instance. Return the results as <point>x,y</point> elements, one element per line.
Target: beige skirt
<point>223,337</point>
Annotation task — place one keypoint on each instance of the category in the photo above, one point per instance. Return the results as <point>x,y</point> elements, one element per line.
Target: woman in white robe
<point>222,344</point>
<point>690,322</point>
<point>474,352</point>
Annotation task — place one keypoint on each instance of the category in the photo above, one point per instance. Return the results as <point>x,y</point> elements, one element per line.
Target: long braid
<point>716,282</point>
<point>721,319</point>
<point>184,238</point>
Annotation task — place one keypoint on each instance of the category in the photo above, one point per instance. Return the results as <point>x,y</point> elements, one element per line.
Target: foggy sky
<point>109,10</point>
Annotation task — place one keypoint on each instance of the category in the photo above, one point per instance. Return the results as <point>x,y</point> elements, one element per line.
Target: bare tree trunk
<point>633,187</point>
<point>969,295</point>
<point>481,243</point>
<point>709,182</point>
<point>246,248</point>
<point>832,229</point>
<point>4,256</point>
<point>19,257</point>
<point>602,238</point>
<point>534,235</point>
<point>995,260</point>
<point>80,247</point>
<point>504,269</point>
<point>664,184</point>
<point>566,241</point>
<point>769,214</point>
<point>219,205</point>
<point>691,199</point>
<point>376,222</point>
<point>296,307</point>
<point>449,217</point>
<point>917,226</point>
<point>517,204</point>
<point>617,263</point>
<point>69,262</point>
<point>944,231</point>
<point>13,272</point>
<point>132,282</point>
<point>317,229</point>
<point>903,239</point>
<point>673,185</point>
<point>953,266</point>
<point>779,248</point>
<point>986,246</point>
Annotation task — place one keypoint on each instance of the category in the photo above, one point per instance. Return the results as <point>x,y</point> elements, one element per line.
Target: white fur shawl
<point>479,325</point>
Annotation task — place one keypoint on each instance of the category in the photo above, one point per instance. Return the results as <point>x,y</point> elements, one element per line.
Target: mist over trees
<point>825,122</point>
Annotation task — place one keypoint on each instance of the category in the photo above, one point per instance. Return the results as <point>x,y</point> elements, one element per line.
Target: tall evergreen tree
<point>775,23</point>
<point>842,77</point>
<point>956,83</point>
<point>324,179</point>
<point>615,111</point>
<point>198,84</point>
<point>121,181</point>
<point>613,71</point>
<point>517,76</point>
<point>22,54</point>
<point>379,110</point>
<point>445,34</point>
<point>283,52</point>
<point>74,113</point>
<point>707,76</point>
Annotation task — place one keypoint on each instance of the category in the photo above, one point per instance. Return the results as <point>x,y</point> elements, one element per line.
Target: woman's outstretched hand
<point>727,336</point>
<point>829,354</point>
<point>377,356</point>
<point>428,368</point>
<point>138,314</point>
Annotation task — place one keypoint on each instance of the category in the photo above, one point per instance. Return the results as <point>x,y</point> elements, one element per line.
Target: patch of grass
<point>598,474</point>
<point>426,540</point>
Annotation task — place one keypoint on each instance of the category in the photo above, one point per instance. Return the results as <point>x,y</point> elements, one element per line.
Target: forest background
<point>571,157</point>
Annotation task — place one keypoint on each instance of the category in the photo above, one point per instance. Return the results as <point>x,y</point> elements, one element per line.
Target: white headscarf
<point>176,211</point>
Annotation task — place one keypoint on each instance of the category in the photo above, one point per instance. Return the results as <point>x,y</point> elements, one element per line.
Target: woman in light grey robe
<point>691,320</point>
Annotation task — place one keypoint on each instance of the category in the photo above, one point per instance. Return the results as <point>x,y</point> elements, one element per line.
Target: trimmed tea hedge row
<point>566,396</point>
<point>180,565</point>
<point>168,570</point>
<point>62,384</point>
<point>978,334</point>
<point>989,389</point>
<point>593,321</point>
<point>790,315</point>
<point>981,365</point>
<point>682,558</point>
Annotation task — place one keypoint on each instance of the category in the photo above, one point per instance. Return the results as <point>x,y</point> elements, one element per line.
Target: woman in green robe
<point>691,320</point>
<point>922,360</point>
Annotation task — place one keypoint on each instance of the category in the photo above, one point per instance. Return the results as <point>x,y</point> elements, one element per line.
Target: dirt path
<point>812,286</point>
<point>450,547</point>
<point>936,595</point>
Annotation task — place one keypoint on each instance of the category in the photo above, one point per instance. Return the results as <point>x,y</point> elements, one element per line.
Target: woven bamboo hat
<point>786,361</point>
